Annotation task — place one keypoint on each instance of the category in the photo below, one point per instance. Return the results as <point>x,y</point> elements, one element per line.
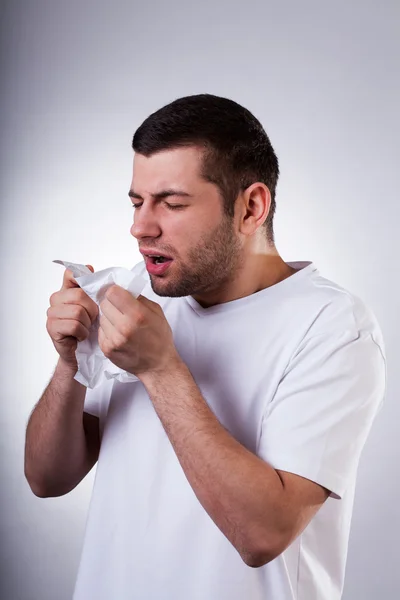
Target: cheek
<point>184,231</point>
<point>199,223</point>
<point>189,231</point>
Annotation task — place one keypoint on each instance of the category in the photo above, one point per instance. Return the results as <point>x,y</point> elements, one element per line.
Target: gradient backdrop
<point>77,78</point>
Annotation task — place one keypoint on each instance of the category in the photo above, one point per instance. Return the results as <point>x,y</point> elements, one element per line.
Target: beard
<point>210,266</point>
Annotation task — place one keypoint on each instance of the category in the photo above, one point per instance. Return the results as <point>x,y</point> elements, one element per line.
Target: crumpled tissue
<point>93,366</point>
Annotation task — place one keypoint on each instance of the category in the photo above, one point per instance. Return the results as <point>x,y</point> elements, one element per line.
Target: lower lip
<point>157,269</point>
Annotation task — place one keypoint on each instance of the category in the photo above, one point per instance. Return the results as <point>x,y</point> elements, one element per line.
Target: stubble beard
<point>209,267</point>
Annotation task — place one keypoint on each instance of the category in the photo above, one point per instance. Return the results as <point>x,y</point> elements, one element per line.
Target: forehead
<point>168,167</point>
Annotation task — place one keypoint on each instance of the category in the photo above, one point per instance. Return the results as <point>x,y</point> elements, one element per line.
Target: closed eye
<point>171,206</point>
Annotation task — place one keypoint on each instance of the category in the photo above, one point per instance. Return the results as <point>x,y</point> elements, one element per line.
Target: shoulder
<point>338,309</point>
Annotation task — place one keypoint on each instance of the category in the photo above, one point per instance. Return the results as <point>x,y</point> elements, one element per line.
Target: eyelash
<point>171,206</point>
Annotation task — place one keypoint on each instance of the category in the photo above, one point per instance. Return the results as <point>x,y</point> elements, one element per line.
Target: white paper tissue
<point>93,366</point>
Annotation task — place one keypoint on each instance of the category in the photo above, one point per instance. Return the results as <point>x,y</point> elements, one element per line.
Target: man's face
<point>200,238</point>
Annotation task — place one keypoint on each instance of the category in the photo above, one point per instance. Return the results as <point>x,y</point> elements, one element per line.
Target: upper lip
<point>147,251</point>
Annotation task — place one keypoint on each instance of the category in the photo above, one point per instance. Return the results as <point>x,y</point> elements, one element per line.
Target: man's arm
<point>62,442</point>
<point>260,510</point>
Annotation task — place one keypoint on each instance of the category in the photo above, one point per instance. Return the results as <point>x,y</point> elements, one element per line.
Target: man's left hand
<point>134,333</point>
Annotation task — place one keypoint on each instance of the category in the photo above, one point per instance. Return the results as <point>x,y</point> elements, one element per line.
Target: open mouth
<point>158,265</point>
<point>158,260</point>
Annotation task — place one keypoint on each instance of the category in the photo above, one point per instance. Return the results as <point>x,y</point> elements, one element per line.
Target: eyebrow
<point>163,194</point>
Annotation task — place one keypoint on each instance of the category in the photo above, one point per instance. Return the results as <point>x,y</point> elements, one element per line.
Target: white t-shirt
<point>296,373</point>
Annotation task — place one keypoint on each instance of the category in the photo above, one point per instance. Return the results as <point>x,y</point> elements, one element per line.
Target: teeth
<point>158,258</point>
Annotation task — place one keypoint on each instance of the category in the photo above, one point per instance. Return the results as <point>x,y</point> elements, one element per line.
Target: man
<point>227,472</point>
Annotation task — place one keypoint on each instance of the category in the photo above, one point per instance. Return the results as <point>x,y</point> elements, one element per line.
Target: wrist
<point>171,367</point>
<point>66,368</point>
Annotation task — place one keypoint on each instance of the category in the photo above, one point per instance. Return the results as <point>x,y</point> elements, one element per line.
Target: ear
<point>256,203</point>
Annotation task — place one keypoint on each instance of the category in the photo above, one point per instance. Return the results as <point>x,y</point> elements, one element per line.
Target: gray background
<point>77,78</point>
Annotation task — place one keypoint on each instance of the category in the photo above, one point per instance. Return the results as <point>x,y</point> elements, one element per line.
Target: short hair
<point>237,150</point>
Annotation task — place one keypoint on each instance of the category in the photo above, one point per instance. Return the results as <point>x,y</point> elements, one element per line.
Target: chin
<point>169,290</point>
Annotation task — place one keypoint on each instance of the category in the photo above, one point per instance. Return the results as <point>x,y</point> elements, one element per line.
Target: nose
<point>145,224</point>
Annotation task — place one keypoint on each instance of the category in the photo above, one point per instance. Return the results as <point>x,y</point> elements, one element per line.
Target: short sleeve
<point>97,399</point>
<point>318,421</point>
<point>92,401</point>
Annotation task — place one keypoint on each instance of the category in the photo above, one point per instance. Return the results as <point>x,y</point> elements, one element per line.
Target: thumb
<point>90,267</point>
<point>154,306</point>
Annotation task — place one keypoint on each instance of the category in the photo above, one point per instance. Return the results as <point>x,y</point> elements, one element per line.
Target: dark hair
<point>237,149</point>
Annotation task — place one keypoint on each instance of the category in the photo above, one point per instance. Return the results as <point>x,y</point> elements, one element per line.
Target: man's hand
<point>134,333</point>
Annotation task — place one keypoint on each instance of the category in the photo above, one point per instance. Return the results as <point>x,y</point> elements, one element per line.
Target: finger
<point>69,280</point>
<point>102,339</point>
<point>76,296</point>
<point>149,303</point>
<point>112,313</point>
<point>70,312</point>
<point>106,327</point>
<point>120,298</point>
<point>61,328</point>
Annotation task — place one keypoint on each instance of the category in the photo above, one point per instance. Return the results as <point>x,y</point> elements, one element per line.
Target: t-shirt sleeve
<point>92,401</point>
<point>320,416</point>
<point>97,399</point>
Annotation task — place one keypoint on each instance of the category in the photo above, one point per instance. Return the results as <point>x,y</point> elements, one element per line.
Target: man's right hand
<point>69,318</point>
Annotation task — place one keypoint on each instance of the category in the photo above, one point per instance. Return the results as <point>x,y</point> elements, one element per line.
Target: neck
<point>260,269</point>
<point>263,269</point>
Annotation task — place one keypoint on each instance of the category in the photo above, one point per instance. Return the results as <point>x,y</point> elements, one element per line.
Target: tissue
<point>93,366</point>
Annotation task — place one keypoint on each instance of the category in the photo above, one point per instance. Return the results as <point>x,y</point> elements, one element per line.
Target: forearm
<point>235,487</point>
<point>55,448</point>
